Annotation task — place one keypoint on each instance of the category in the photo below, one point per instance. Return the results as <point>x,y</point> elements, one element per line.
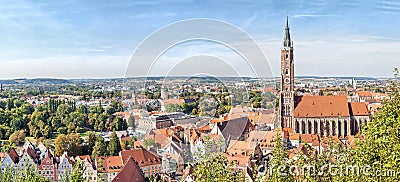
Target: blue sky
<point>95,39</point>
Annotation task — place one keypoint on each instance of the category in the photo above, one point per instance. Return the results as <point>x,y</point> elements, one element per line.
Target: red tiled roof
<point>216,120</point>
<point>205,128</point>
<point>130,173</point>
<point>142,156</point>
<point>364,94</point>
<point>294,136</point>
<point>359,109</point>
<point>321,106</point>
<point>266,118</point>
<point>286,131</point>
<point>310,138</point>
<point>112,163</point>
<point>240,160</point>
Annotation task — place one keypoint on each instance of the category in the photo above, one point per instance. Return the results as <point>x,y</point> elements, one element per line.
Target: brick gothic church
<point>322,115</point>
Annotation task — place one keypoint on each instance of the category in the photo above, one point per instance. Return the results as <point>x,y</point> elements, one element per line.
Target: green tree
<point>380,148</point>
<point>216,169</point>
<point>114,146</point>
<point>18,137</point>
<point>188,107</point>
<point>131,120</point>
<point>118,124</point>
<point>278,166</point>
<point>70,143</point>
<point>173,108</point>
<point>148,143</point>
<point>100,148</point>
<point>30,175</point>
<point>91,139</point>
<point>77,173</point>
<point>131,141</point>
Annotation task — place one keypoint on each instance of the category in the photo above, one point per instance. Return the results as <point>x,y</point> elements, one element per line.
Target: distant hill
<point>337,77</point>
<point>35,81</point>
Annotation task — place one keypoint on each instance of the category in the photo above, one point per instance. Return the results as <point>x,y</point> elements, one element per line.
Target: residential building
<point>112,165</point>
<point>10,159</point>
<point>48,166</point>
<point>155,121</point>
<point>29,159</point>
<point>64,167</point>
<point>90,171</point>
<point>148,162</point>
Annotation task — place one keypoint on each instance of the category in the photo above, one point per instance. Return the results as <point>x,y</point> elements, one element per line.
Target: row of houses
<point>130,165</point>
<point>38,158</point>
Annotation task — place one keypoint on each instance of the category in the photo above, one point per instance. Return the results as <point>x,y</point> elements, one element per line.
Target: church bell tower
<point>286,94</point>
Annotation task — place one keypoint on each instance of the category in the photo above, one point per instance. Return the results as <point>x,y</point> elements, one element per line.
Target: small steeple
<point>287,42</point>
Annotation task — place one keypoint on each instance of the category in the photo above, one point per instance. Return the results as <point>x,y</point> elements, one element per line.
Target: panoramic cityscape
<point>135,91</point>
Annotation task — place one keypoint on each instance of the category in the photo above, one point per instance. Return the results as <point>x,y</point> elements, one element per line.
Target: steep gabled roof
<point>142,156</point>
<point>358,109</point>
<point>130,172</point>
<point>14,155</point>
<point>32,153</point>
<point>234,128</point>
<point>321,106</point>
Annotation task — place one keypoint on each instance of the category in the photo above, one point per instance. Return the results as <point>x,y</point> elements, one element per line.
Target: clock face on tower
<point>287,80</point>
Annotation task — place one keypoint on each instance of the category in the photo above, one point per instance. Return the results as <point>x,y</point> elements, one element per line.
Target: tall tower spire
<point>287,42</point>
<point>286,95</point>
